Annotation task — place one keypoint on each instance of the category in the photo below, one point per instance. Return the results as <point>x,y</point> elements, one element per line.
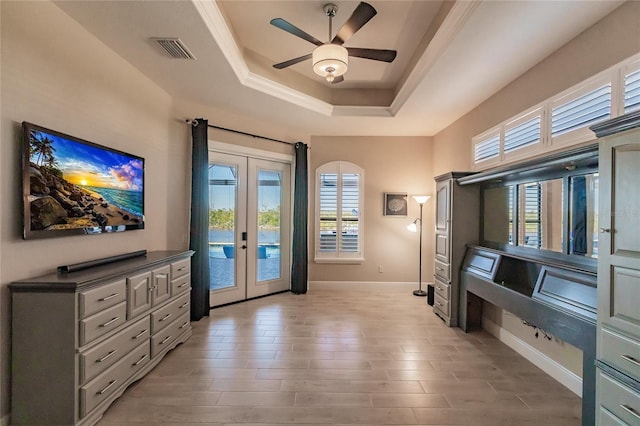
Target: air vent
<point>175,48</point>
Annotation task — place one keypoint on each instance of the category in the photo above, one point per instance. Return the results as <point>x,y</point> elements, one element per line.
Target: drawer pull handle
<point>183,284</point>
<point>182,269</point>
<point>152,287</point>
<point>439,268</point>
<point>139,335</point>
<point>162,276</point>
<point>184,325</point>
<point>111,383</point>
<point>184,305</point>
<point>111,296</point>
<point>107,356</point>
<point>630,359</point>
<point>439,289</point>
<point>605,230</point>
<point>164,318</point>
<point>166,339</point>
<point>630,410</point>
<point>111,321</point>
<point>135,364</point>
<point>438,303</point>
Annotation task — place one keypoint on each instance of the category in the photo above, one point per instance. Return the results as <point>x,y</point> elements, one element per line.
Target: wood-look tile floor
<point>340,358</point>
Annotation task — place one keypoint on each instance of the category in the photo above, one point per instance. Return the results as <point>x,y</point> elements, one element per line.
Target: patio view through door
<point>249,227</point>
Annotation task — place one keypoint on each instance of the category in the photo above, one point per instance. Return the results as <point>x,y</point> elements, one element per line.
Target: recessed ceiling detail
<point>433,42</point>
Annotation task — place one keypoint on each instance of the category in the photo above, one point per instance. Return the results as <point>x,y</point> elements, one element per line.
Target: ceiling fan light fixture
<point>330,61</point>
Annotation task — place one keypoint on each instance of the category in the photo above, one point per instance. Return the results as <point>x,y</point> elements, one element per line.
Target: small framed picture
<point>395,204</point>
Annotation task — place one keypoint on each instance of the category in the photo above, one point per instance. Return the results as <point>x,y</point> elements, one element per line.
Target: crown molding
<point>452,24</point>
<point>217,25</point>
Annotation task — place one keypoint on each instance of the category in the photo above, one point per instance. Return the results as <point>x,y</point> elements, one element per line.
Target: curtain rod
<point>195,123</point>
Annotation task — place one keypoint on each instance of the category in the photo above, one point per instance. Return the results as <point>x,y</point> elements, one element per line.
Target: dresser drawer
<point>168,313</point>
<point>618,399</point>
<point>107,353</point>
<point>99,298</point>
<point>441,304</point>
<point>620,352</point>
<point>96,391</point>
<point>607,418</point>
<point>441,289</point>
<point>101,323</point>
<point>180,268</point>
<point>442,270</point>
<point>163,339</point>
<point>180,284</point>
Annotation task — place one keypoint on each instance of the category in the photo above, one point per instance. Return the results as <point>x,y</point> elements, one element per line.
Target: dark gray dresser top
<point>73,281</point>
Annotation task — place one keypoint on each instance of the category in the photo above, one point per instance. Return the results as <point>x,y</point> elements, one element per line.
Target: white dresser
<point>618,340</point>
<point>80,338</point>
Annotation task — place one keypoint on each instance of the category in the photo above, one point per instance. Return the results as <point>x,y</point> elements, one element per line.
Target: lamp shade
<point>421,199</point>
<point>330,60</point>
<point>412,227</point>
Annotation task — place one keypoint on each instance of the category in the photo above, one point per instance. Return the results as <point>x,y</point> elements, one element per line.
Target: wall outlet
<point>380,269</point>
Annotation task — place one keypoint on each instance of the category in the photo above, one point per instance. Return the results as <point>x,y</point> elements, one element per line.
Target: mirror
<point>540,218</point>
<point>498,214</point>
<point>583,215</point>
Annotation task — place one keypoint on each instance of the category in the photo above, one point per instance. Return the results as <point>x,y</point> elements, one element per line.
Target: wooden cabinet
<point>80,338</point>
<point>618,341</point>
<point>457,225</point>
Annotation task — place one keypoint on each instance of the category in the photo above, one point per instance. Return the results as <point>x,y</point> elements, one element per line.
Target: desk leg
<point>588,389</point>
<point>470,315</point>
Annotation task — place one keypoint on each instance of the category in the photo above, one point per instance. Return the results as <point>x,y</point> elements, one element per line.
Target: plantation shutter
<point>487,149</point>
<point>328,210</point>
<point>522,135</point>
<point>532,219</point>
<point>581,111</point>
<point>632,91</point>
<point>350,213</point>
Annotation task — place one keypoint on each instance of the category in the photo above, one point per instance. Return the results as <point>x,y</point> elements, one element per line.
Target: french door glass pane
<point>223,186</point>
<point>269,203</point>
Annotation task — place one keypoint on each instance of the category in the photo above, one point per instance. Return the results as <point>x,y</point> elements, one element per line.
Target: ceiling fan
<point>331,59</point>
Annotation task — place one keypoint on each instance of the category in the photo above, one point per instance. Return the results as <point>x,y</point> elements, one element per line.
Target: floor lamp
<point>413,227</point>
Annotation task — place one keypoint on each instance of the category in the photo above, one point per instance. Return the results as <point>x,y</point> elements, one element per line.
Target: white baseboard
<point>363,285</point>
<point>566,377</point>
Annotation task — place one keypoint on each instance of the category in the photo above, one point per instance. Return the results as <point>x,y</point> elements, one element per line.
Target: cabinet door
<point>443,219</point>
<point>138,294</point>
<point>619,238</point>
<point>161,285</point>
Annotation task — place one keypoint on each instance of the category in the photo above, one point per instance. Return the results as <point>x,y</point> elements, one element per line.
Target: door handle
<point>243,247</point>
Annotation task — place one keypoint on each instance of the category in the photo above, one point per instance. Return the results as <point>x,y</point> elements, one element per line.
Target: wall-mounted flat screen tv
<point>72,186</point>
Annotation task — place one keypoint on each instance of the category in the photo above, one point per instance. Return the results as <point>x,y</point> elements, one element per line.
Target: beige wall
<point>613,39</point>
<point>391,164</point>
<point>57,75</point>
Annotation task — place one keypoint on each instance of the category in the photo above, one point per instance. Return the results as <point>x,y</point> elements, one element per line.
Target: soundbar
<point>99,262</point>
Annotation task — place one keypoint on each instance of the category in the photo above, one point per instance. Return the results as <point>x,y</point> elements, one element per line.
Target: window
<point>579,110</point>
<point>339,201</point>
<point>632,90</point>
<point>486,148</point>
<point>523,133</point>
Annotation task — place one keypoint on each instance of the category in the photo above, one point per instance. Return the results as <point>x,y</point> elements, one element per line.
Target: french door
<point>249,227</point>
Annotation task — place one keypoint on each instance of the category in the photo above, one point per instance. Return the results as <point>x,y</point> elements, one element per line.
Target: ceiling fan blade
<point>292,61</point>
<point>375,54</point>
<point>363,13</point>
<point>292,29</point>
<point>338,79</point>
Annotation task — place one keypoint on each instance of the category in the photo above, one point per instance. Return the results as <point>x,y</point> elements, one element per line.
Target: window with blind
<point>581,111</point>
<point>530,210</point>
<point>486,148</point>
<point>522,134</point>
<point>339,189</point>
<point>632,91</point>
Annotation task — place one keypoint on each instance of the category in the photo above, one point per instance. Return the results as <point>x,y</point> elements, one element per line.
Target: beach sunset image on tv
<point>78,185</point>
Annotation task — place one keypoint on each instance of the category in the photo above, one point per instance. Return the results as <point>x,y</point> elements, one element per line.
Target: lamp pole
<point>420,291</point>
